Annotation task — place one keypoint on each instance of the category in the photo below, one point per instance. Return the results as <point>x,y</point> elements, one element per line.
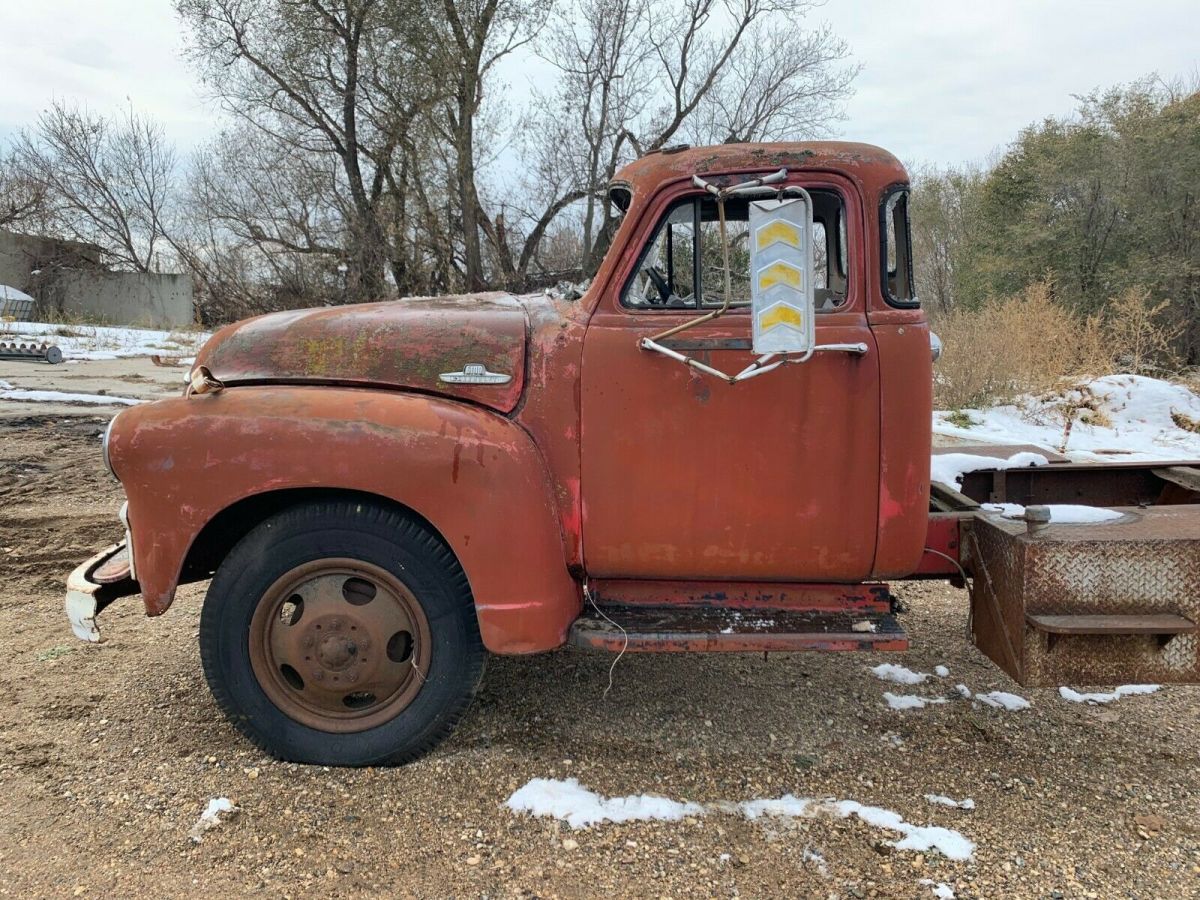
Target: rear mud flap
<point>1111,603</point>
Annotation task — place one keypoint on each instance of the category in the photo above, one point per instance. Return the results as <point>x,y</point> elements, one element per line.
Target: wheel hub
<point>336,653</point>
<point>340,645</point>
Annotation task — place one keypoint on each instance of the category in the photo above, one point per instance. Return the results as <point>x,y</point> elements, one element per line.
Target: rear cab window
<point>895,252</point>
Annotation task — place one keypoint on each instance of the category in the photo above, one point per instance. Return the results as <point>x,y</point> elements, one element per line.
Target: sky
<point>943,81</point>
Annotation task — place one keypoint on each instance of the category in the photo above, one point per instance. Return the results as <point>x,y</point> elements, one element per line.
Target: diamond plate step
<point>1114,602</point>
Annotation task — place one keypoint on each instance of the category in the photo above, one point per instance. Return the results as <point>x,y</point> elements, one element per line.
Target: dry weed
<point>1029,344</point>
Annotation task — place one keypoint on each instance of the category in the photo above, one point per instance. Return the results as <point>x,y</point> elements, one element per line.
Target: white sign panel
<point>781,275</point>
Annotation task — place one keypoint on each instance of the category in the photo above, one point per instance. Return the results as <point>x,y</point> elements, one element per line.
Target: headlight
<point>104,445</point>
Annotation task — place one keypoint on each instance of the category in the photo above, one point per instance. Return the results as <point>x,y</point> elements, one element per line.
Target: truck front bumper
<point>95,584</point>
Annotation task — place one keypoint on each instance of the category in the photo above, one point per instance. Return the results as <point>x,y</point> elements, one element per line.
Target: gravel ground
<point>108,755</point>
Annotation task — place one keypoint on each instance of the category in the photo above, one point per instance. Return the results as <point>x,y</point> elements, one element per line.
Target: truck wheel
<point>341,633</point>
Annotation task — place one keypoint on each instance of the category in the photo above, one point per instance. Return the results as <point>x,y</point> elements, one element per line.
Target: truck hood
<point>401,344</point>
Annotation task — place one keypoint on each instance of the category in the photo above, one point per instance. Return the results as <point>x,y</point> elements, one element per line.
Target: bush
<point>1024,344</point>
<point>1030,344</point>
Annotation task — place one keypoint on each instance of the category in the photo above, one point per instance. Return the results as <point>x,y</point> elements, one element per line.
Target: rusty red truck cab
<point>383,493</point>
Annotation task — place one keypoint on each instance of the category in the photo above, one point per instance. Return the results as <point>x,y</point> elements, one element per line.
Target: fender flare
<point>473,475</point>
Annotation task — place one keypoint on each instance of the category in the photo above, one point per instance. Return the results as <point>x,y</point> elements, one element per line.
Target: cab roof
<point>871,166</point>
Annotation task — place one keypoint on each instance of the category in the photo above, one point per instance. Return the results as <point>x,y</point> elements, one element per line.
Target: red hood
<point>397,344</point>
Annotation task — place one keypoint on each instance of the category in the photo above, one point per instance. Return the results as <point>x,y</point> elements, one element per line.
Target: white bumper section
<point>81,602</point>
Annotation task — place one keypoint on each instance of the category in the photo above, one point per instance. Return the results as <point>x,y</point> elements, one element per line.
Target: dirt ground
<point>109,753</point>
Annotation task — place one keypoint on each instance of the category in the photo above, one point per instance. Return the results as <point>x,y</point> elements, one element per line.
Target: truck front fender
<point>475,476</point>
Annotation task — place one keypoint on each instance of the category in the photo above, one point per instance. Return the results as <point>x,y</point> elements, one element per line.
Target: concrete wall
<point>121,298</point>
<point>23,254</point>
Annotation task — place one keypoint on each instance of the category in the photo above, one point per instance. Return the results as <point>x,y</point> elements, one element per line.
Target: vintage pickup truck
<point>723,444</point>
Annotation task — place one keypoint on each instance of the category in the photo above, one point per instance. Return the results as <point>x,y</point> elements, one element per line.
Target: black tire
<point>380,537</point>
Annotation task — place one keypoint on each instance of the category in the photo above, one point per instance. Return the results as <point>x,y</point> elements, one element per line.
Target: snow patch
<point>1125,690</point>
<point>581,808</point>
<point>941,671</point>
<point>951,844</point>
<point>943,800</point>
<point>898,674</point>
<point>908,701</point>
<point>963,691</point>
<point>940,889</point>
<point>949,468</point>
<point>11,393</point>
<point>1004,700</point>
<point>211,817</point>
<point>102,342</point>
<point>817,858</point>
<point>1136,413</point>
<point>1060,513</point>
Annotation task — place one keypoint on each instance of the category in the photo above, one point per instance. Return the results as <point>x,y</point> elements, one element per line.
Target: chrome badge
<point>474,373</point>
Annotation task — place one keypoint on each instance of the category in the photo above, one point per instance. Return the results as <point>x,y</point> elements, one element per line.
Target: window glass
<point>897,250</point>
<point>682,267</point>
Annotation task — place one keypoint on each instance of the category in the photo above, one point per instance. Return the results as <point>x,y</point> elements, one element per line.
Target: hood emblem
<point>474,373</point>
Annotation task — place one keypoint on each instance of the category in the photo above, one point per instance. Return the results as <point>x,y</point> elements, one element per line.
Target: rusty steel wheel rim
<point>340,645</point>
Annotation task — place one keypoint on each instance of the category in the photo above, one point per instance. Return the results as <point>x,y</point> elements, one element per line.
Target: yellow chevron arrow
<point>779,273</point>
<point>781,314</point>
<point>779,231</point>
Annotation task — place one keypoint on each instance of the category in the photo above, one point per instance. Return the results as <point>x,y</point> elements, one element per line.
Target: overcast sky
<point>943,81</point>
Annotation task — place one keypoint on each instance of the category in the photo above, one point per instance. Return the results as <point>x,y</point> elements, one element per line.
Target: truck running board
<point>666,629</point>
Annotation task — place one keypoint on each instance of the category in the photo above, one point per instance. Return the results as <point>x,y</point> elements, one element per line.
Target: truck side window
<point>685,253</point>
<point>896,252</point>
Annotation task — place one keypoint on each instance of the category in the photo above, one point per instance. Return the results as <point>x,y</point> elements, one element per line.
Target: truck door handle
<point>859,349</point>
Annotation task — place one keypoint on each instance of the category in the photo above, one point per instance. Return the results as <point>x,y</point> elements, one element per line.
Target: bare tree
<point>636,75</point>
<point>105,181</point>
<point>22,197</point>
<point>783,83</point>
<point>475,36</point>
<point>340,78</point>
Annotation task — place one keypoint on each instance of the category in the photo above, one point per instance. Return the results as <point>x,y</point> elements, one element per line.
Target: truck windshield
<point>681,266</point>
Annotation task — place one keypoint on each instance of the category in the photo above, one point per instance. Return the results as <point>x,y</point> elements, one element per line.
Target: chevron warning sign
<point>781,288</point>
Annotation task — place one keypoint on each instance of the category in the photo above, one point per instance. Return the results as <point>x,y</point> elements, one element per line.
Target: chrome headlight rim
<point>104,446</point>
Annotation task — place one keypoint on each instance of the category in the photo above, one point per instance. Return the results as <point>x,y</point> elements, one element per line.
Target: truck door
<point>685,476</point>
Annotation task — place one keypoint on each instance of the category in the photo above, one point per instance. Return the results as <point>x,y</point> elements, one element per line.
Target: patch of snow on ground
<point>941,671</point>
<point>5,386</point>
<point>950,843</point>
<point>908,701</point>
<point>1137,412</point>
<point>946,841</point>
<point>581,808</point>
<point>963,691</point>
<point>817,858</point>
<point>211,817</point>
<point>898,674</point>
<point>1060,513</point>
<point>62,397</point>
<point>104,342</point>
<point>1004,700</point>
<point>943,800</point>
<point>1124,690</point>
<point>787,806</point>
<point>949,468</point>
<point>940,889</point>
